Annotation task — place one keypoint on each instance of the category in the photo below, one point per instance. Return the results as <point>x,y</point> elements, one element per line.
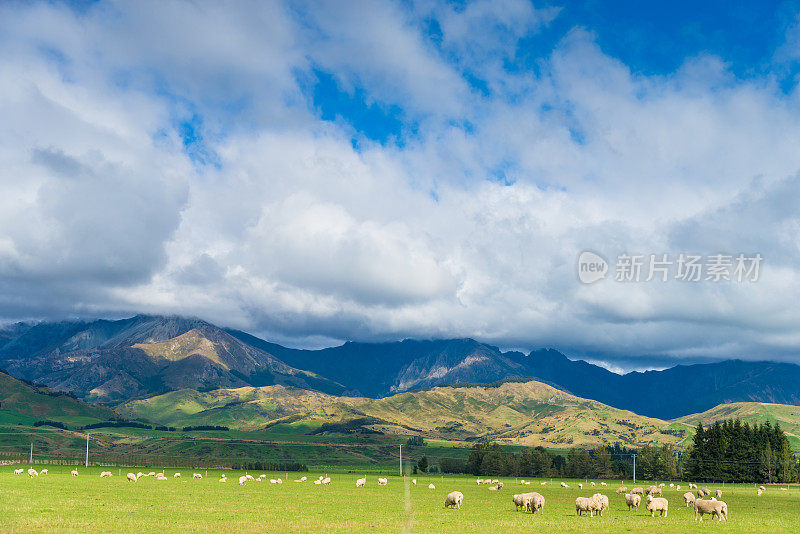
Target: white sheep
<point>492,488</point>
<point>431,486</point>
<point>223,478</point>
<point>273,481</point>
<point>711,507</point>
<point>151,474</point>
<point>580,485</point>
<point>688,498</point>
<point>479,481</point>
<point>603,500</point>
<point>105,474</point>
<point>657,504</point>
<point>586,504</point>
<point>242,480</point>
<point>759,492</point>
<point>176,475</point>
<point>383,481</point>
<point>32,473</point>
<point>592,484</point>
<point>197,475</point>
<point>318,482</point>
<point>74,472</point>
<point>518,500</point>
<point>532,502</point>
<point>361,482</point>
<point>140,475</point>
<point>132,477</point>
<point>621,490</point>
<point>671,485</point>
<point>280,481</point>
<point>454,498</point>
<point>719,494</point>
<point>250,478</point>
<point>43,472</point>
<point>633,501</point>
<point>762,488</point>
<point>542,483</point>
<point>661,485</point>
<point>414,481</point>
<point>637,491</point>
<point>678,487</point>
<point>326,481</point>
<point>564,485</point>
<point>161,476</point>
<point>603,484</point>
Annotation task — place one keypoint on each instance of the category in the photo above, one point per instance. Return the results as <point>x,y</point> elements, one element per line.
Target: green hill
<point>786,415</point>
<point>23,403</point>
<point>526,413</point>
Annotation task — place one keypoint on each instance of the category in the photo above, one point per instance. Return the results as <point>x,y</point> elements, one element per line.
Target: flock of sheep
<point>701,499</point>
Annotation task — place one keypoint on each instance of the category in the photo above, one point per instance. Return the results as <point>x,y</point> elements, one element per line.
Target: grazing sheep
<point>564,485</point>
<point>454,498</point>
<point>140,475</point>
<point>701,493</point>
<point>671,485</point>
<point>280,481</point>
<point>762,488</point>
<point>692,486</point>
<point>151,474</point>
<point>43,472</point>
<point>759,492</point>
<point>492,488</point>
<point>603,484</point>
<point>383,481</point>
<point>18,471</point>
<point>688,498</point>
<point>586,504</point>
<point>661,485</point>
<point>161,476</point>
<point>707,491</point>
<point>303,479</point>
<point>361,482</point>
<point>414,481</point>
<point>637,491</point>
<point>522,481</point>
<point>711,507</point>
<point>580,486</point>
<point>499,485</point>
<point>657,504</point>
<point>622,490</point>
<point>678,487</point>
<point>719,494</point>
<point>223,478</point>
<point>326,481</point>
<point>197,475</point>
<point>603,500</point>
<point>653,490</point>
<point>317,482</point>
<point>633,501</point>
<point>105,474</point>
<point>532,502</point>
<point>32,473</point>
<point>74,472</point>
<point>495,481</point>
<point>542,483</point>
<point>479,481</point>
<point>176,475</point>
<point>132,478</point>
<point>518,500</point>
<point>262,476</point>
<point>273,481</point>
<point>431,486</point>
<point>249,478</point>
<point>591,483</point>
<point>527,483</point>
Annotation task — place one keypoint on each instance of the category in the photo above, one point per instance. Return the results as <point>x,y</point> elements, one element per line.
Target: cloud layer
<point>170,157</point>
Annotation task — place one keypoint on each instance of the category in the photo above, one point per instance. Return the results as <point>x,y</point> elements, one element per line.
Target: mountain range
<point>112,362</point>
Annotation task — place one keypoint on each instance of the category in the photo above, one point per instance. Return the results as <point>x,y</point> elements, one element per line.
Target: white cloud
<point>460,231</point>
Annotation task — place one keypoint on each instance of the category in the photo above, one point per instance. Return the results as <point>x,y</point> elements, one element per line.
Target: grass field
<point>59,502</point>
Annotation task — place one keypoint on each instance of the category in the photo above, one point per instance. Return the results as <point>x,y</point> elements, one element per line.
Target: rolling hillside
<point>26,404</point>
<point>529,413</point>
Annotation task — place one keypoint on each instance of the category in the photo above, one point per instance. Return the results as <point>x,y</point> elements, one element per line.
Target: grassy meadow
<point>59,502</point>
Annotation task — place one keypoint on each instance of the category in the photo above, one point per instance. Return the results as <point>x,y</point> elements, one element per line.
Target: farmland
<point>59,502</point>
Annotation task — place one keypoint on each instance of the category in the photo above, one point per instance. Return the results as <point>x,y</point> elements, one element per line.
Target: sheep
<point>242,480</point>
<point>318,482</point>
<point>495,481</point>
<point>414,481</point>
<point>701,493</point>
<point>161,476</point>
<point>762,488</point>
<point>326,481</point>
<point>18,471</point>
<point>132,477</point>
<point>591,483</point>
<point>151,474</point>
<point>637,491</point>
<point>74,472</point>
<point>688,498</point>
<point>759,492</point>
<point>361,482</point>
<point>431,486</point>
<point>176,475</point>
<point>633,501</point>
<point>492,488</point>
<point>564,485</point>
<point>653,490</point>
<point>522,482</point>
<point>656,504</point>
<point>719,494</point>
<point>303,479</point>
<point>518,500</point>
<point>32,473</point>
<point>527,483</point>
<point>580,486</point>
<point>532,502</point>
<point>713,508</point>
<point>603,484</point>
<point>383,481</point>
<point>479,481</point>
<point>622,490</point>
<point>250,478</point>
<point>197,475</point>
<point>499,485</point>
<point>454,498</point>
<point>43,472</point>
<point>603,500</point>
<point>692,486</point>
<point>661,485</point>
<point>223,478</point>
<point>707,491</point>
<point>140,475</point>
<point>542,483</point>
<point>586,504</point>
<point>671,485</point>
<point>678,487</point>
<point>105,474</point>
<point>262,476</point>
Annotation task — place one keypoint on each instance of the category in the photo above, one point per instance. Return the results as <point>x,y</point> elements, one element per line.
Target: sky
<point>314,172</point>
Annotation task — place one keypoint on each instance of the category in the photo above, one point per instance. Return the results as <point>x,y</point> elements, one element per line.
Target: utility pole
<point>87,449</point>
<point>634,469</point>
<point>31,452</point>
<point>401,459</point>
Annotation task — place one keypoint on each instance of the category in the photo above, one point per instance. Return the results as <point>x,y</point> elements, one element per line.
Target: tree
<point>422,464</point>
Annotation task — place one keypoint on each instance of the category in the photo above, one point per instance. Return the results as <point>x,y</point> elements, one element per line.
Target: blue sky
<point>315,172</point>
